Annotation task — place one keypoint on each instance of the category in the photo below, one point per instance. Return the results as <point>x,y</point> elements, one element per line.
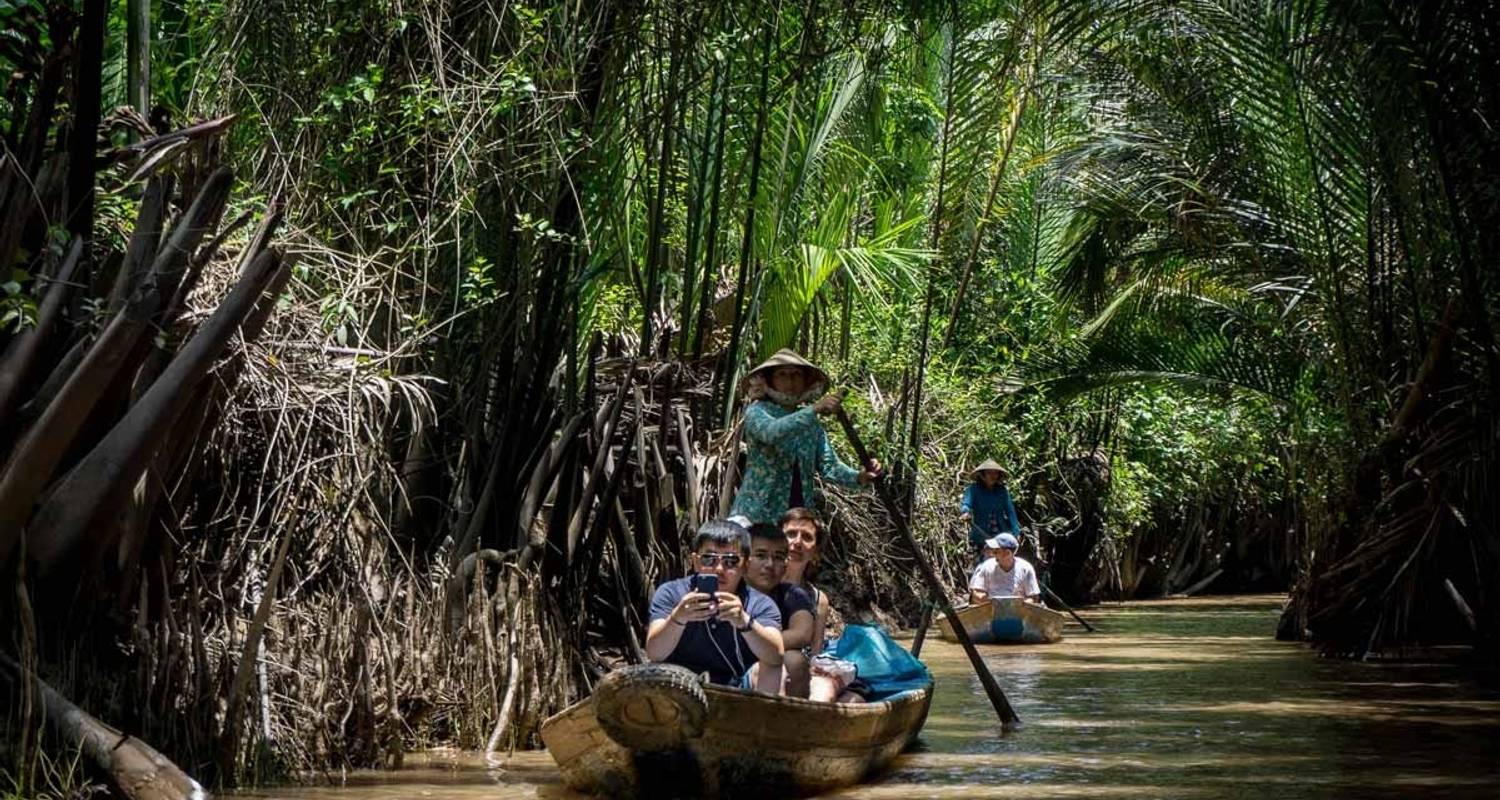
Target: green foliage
<point>17,307</point>
<point>1178,225</point>
<point>47,775</point>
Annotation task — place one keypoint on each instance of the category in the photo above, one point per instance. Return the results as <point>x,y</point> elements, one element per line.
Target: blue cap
<point>1004,541</point>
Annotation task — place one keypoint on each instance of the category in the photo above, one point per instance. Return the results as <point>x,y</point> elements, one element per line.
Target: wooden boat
<point>645,742</point>
<point>1006,619</point>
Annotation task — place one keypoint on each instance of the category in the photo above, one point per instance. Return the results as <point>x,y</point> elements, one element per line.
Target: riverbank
<point>1174,698</point>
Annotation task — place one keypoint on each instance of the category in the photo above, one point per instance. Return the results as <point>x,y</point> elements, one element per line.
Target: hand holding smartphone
<point>709,585</point>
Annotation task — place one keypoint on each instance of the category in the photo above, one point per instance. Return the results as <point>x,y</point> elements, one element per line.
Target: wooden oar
<point>1008,717</point>
<point>1069,609</point>
<point>921,635</point>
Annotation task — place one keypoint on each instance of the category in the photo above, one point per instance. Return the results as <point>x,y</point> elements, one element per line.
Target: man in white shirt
<point>1003,574</point>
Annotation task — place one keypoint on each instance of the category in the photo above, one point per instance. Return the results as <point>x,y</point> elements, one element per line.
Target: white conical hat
<point>789,358</point>
<point>990,463</point>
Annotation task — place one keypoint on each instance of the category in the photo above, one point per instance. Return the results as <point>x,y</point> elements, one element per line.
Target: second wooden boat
<point>1006,619</point>
<point>655,730</point>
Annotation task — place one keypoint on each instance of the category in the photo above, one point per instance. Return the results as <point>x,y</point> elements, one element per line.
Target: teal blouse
<point>778,438</point>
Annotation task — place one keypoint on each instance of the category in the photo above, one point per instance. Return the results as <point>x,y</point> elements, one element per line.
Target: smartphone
<point>708,584</point>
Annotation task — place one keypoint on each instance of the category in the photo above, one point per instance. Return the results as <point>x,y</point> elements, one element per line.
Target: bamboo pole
<point>83,138</point>
<point>138,58</point>
<point>723,401</point>
<point>1069,609</point>
<point>1017,112</point>
<point>656,253</point>
<point>936,245</point>
<point>709,287</point>
<point>1008,717</point>
<point>922,625</point>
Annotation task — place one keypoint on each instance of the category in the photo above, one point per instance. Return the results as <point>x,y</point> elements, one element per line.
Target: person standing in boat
<point>1004,574</point>
<point>721,632</point>
<point>987,507</point>
<point>787,444</point>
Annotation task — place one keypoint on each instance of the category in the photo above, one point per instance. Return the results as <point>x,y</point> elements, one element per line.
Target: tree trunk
<point>83,145</point>
<point>138,55</point>
<point>135,768</point>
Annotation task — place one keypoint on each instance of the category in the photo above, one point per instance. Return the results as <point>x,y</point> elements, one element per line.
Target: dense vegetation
<point>1212,278</point>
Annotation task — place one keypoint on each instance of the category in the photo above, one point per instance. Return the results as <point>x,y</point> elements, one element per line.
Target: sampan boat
<point>656,730</point>
<point>1006,619</point>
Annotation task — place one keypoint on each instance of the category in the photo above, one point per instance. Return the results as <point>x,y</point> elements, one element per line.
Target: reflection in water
<point>1185,698</point>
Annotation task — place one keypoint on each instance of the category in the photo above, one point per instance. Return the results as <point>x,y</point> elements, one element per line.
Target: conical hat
<point>990,463</point>
<point>789,358</point>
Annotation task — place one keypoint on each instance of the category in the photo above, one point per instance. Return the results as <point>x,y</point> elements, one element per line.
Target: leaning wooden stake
<point>922,625</point>
<point>1008,716</point>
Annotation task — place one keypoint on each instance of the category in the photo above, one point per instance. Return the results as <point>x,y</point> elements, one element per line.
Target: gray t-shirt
<point>714,646</point>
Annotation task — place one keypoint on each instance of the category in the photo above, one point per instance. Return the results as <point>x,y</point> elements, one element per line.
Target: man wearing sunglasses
<point>722,633</point>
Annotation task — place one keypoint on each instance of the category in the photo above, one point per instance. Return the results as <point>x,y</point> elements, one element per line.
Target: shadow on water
<point>1184,698</point>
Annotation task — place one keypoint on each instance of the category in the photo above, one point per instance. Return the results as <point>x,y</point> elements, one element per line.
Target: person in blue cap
<point>987,507</point>
<point>1004,574</point>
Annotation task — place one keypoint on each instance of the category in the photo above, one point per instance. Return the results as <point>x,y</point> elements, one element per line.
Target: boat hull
<point>752,745</point>
<point>1006,620</point>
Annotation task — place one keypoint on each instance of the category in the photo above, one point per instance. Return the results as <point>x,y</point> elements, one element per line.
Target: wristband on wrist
<point>677,621</point>
<point>749,621</point>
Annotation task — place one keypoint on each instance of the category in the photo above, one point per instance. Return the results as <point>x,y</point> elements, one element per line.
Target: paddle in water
<point>1069,609</point>
<point>1008,717</point>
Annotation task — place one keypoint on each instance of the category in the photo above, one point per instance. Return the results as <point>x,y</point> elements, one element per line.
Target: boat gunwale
<point>865,737</point>
<point>967,614</point>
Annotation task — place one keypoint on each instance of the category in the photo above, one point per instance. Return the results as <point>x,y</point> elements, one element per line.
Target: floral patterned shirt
<point>778,438</point>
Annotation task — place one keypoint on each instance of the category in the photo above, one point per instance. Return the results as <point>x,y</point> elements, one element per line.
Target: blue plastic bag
<point>883,664</point>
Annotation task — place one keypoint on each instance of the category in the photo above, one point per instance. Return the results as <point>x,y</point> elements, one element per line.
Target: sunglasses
<point>710,560</point>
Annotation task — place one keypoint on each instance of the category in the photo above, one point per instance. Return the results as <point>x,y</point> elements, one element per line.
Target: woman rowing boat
<point>987,507</point>
<point>787,444</point>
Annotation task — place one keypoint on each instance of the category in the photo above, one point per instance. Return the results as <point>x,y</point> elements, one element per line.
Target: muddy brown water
<point>1179,698</point>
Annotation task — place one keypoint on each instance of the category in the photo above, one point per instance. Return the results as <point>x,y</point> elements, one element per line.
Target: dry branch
<point>229,738</point>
